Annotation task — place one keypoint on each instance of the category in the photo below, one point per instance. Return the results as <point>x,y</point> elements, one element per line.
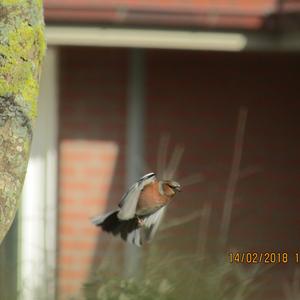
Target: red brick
<point>67,260</point>
<point>78,245</point>
<point>92,135</point>
<point>74,274</point>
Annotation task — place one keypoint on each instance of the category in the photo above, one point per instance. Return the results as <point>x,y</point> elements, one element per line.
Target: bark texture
<point>22,48</point>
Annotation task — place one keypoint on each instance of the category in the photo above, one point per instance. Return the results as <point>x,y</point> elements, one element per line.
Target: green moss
<point>22,39</point>
<point>41,41</point>
<point>19,72</point>
<point>30,94</point>
<point>40,4</point>
<point>10,2</point>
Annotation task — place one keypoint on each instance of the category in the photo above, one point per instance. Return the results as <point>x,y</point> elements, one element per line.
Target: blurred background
<point>124,83</point>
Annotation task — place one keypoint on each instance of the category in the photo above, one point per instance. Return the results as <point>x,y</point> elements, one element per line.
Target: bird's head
<point>170,187</point>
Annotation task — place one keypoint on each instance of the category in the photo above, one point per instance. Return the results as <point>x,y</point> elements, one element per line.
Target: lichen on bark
<point>22,48</point>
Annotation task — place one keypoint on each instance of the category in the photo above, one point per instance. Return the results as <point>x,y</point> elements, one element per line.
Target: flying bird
<point>141,210</point>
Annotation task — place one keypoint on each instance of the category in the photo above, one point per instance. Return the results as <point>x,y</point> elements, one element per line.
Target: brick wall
<point>91,139</point>
<point>195,97</point>
<point>248,14</point>
<point>219,5</point>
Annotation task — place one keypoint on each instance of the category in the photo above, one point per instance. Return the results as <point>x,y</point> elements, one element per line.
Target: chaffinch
<point>140,211</point>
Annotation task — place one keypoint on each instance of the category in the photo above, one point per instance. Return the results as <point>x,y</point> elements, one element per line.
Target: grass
<point>171,276</point>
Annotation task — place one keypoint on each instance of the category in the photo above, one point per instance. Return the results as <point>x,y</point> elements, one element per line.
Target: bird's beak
<point>178,188</point>
<point>174,185</point>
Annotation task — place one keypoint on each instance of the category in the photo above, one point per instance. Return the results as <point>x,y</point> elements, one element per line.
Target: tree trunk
<point>22,48</point>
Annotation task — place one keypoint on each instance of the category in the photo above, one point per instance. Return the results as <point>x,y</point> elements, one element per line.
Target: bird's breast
<point>151,200</point>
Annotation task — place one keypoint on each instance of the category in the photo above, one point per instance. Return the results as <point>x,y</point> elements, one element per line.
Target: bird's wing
<point>100,219</point>
<point>129,201</point>
<point>145,234</point>
<point>135,237</point>
<point>152,223</point>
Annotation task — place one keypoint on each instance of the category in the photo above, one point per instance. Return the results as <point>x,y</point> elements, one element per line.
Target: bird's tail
<point>128,229</point>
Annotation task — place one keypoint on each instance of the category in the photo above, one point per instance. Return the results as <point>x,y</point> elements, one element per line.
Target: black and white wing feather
<point>129,201</point>
<point>152,223</point>
<point>146,233</point>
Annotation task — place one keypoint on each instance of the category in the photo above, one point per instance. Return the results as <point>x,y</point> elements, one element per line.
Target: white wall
<point>37,253</point>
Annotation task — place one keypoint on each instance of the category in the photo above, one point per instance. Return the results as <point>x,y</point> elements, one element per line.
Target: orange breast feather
<point>151,199</point>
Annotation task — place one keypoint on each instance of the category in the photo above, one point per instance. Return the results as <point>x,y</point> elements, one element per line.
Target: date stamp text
<point>263,257</point>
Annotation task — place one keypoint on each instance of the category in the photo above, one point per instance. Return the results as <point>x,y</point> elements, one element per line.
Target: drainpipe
<point>135,142</point>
